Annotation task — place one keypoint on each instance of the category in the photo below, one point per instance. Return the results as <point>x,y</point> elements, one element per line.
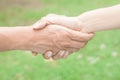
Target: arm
<point>12,38</point>
<point>91,21</point>
<point>53,37</point>
<point>101,19</point>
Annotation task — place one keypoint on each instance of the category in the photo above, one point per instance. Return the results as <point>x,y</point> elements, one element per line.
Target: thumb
<point>80,36</point>
<point>40,25</point>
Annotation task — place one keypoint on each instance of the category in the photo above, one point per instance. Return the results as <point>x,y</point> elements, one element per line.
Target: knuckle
<point>51,18</point>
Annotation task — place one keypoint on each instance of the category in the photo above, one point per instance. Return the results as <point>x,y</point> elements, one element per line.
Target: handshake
<point>57,36</point>
<point>62,36</point>
<point>65,35</point>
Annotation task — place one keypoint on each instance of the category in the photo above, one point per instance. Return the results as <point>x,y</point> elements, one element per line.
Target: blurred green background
<point>99,60</point>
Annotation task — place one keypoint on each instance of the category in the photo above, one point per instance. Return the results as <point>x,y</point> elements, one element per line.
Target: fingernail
<point>66,54</point>
<point>62,52</point>
<point>49,54</point>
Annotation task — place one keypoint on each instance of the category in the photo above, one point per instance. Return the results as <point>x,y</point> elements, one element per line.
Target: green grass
<point>99,60</point>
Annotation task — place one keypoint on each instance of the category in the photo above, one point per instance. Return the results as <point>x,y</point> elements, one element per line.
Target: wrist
<point>101,19</point>
<point>29,39</point>
<point>20,38</point>
<point>80,24</point>
<point>12,38</point>
<point>93,20</point>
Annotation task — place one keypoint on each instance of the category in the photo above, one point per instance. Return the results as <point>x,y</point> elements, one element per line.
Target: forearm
<point>12,38</point>
<point>101,19</point>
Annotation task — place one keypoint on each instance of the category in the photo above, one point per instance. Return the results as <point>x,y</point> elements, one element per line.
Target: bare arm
<point>101,19</point>
<point>96,20</point>
<point>53,37</point>
<point>91,21</point>
<point>12,38</point>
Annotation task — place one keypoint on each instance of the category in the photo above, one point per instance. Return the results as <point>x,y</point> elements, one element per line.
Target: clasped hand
<point>60,35</point>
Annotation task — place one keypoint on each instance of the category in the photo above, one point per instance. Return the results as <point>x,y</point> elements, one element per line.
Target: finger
<point>45,21</point>
<point>49,19</point>
<point>75,44</point>
<point>66,54</point>
<point>59,55</point>
<point>48,54</point>
<point>68,22</point>
<point>79,36</point>
<point>40,25</point>
<point>34,53</point>
<point>72,50</point>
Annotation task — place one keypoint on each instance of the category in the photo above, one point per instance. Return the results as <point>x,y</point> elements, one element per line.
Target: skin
<point>53,37</point>
<point>92,21</point>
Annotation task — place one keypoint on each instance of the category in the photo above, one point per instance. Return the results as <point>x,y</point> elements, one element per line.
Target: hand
<point>61,41</point>
<point>69,22</point>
